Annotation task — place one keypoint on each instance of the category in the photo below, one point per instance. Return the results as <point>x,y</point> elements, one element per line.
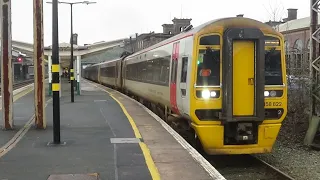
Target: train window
<point>150,70</point>
<point>184,69</point>
<point>138,69</point>
<point>210,40</point>
<point>165,66</point>
<point>155,71</point>
<point>273,71</point>
<point>208,73</point>
<point>174,71</point>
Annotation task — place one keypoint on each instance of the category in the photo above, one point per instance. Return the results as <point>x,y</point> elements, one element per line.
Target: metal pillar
<point>71,58</point>
<point>6,66</point>
<point>314,118</point>
<point>78,74</point>
<point>50,74</point>
<point>39,93</point>
<point>60,73</point>
<point>55,73</point>
<point>75,74</point>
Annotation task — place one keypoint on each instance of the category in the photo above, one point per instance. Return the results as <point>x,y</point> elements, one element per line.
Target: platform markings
<point>19,135</point>
<point>115,159</point>
<point>91,176</point>
<point>145,150</point>
<point>20,95</point>
<point>102,100</point>
<point>194,153</point>
<point>124,140</point>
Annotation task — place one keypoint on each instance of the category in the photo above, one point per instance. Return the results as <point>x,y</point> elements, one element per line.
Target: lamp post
<point>71,71</point>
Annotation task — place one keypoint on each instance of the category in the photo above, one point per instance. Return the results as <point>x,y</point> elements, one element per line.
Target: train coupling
<point>244,132</point>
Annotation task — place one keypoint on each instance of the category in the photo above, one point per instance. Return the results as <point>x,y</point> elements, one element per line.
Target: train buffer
<point>104,135</point>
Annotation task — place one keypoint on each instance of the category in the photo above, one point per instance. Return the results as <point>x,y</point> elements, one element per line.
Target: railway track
<point>18,85</point>
<point>245,167</point>
<point>22,83</point>
<point>236,167</point>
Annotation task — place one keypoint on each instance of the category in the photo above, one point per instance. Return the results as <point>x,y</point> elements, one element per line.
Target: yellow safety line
<point>21,94</point>
<point>19,135</point>
<point>145,150</point>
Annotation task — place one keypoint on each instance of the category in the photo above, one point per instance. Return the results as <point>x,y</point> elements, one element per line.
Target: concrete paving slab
<point>23,110</point>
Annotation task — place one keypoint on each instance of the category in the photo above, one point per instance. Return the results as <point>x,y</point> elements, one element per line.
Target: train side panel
<point>147,75</point>
<point>108,73</point>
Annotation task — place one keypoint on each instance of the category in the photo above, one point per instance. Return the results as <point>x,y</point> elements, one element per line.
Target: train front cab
<point>238,108</point>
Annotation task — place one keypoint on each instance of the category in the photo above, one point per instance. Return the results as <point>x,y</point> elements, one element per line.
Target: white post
<point>78,74</point>
<point>50,74</point>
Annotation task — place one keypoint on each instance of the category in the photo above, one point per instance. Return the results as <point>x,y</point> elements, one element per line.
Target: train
<point>224,79</point>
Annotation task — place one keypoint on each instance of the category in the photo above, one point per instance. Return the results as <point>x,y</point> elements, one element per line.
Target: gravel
<point>289,154</point>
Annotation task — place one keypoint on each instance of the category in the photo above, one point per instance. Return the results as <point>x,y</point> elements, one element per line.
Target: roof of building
<point>295,24</point>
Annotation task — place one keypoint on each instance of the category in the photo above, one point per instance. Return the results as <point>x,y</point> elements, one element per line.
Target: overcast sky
<point>113,19</point>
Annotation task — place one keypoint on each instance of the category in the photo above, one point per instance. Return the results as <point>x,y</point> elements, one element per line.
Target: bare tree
<point>275,9</point>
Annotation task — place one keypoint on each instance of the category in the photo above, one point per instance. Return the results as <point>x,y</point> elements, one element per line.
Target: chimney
<point>240,15</point>
<point>292,14</point>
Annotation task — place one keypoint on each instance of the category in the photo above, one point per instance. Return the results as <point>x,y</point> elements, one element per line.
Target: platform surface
<point>23,110</point>
<point>100,137</point>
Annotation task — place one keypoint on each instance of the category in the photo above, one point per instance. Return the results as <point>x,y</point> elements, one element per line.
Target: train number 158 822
<point>272,103</point>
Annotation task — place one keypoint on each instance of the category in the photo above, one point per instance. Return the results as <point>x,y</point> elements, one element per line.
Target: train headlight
<point>205,94</point>
<point>273,93</point>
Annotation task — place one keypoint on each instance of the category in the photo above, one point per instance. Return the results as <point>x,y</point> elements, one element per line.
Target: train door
<point>243,78</point>
<point>183,90</point>
<point>173,80</point>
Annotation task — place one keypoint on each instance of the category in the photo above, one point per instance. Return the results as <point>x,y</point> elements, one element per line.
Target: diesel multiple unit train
<point>226,79</point>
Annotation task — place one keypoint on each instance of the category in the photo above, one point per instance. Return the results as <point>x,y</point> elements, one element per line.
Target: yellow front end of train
<point>238,91</point>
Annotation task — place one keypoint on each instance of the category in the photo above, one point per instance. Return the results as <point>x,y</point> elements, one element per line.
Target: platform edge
<point>195,154</point>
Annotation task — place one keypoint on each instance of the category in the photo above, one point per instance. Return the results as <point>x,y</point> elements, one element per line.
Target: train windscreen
<point>273,72</point>
<point>208,73</point>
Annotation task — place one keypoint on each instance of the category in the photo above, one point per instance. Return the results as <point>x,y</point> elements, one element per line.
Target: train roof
<point>225,22</point>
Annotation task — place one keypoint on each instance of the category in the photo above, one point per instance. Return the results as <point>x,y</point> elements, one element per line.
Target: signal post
<point>6,64</point>
<point>314,102</point>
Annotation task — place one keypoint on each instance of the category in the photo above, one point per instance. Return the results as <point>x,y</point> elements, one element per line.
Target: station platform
<point>104,135</point>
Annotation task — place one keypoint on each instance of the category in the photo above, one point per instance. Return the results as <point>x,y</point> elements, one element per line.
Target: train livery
<point>226,79</point>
